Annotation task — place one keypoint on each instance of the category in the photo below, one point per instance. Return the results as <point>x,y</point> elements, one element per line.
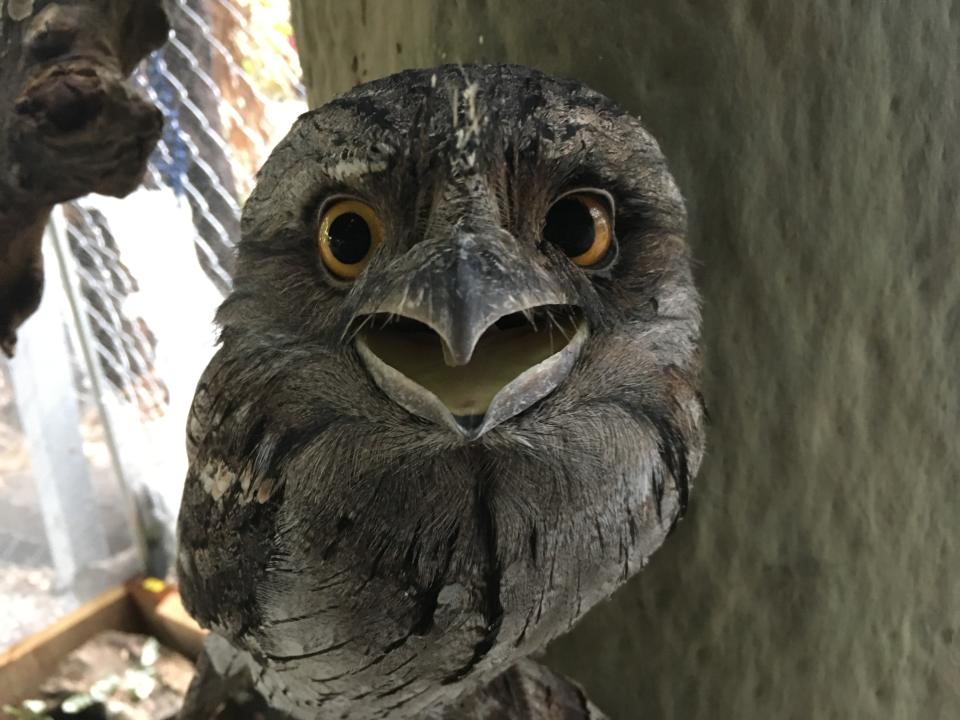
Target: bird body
<point>456,401</point>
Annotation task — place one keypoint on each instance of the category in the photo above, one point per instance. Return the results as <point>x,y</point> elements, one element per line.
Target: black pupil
<point>349,237</point>
<point>570,227</point>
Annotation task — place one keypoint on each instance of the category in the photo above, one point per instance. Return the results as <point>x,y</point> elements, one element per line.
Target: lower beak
<point>516,361</point>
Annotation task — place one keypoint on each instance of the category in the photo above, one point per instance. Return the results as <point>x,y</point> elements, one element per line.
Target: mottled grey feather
<point>371,563</point>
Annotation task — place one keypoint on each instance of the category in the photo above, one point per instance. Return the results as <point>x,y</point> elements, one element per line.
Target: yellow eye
<point>349,233</point>
<point>580,225</point>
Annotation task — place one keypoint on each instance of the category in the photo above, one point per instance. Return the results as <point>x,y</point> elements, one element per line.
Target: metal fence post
<point>48,407</point>
<point>119,420</point>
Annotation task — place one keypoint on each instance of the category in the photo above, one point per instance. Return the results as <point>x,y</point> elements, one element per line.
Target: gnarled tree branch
<point>70,123</point>
<point>527,690</point>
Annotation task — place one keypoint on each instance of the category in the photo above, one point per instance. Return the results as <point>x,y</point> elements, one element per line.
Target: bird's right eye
<point>580,225</point>
<point>350,230</point>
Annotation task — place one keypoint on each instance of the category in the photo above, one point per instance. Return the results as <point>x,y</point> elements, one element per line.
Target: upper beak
<point>475,334</point>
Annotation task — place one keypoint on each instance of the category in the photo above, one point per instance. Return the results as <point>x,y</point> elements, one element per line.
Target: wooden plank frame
<point>147,606</point>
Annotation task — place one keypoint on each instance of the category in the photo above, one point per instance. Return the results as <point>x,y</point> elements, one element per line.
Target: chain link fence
<point>93,408</point>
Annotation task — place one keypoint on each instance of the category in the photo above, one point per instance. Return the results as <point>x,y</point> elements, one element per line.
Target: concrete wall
<point>818,573</point>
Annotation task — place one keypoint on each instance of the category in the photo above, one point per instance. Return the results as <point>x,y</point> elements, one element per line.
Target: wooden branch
<point>525,691</point>
<point>70,123</point>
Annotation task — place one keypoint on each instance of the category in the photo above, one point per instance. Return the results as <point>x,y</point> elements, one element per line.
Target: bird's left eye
<point>350,231</point>
<point>580,225</point>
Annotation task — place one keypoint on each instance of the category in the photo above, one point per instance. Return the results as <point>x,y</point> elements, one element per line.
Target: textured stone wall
<point>818,143</point>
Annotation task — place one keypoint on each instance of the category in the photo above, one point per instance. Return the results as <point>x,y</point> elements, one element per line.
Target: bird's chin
<point>510,370</point>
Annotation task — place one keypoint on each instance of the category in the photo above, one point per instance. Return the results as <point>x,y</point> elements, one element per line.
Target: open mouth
<point>518,360</point>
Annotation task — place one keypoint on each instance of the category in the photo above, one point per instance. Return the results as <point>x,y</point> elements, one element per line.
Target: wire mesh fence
<point>138,281</point>
<point>228,84</point>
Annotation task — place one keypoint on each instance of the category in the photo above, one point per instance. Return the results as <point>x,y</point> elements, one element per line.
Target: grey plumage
<point>372,561</point>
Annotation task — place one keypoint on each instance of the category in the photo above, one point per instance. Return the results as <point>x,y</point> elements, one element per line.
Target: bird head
<point>464,240</point>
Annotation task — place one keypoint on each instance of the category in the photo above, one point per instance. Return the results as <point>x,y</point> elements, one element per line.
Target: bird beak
<point>476,334</point>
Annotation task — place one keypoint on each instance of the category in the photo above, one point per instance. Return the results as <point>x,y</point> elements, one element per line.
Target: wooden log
<point>70,123</point>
